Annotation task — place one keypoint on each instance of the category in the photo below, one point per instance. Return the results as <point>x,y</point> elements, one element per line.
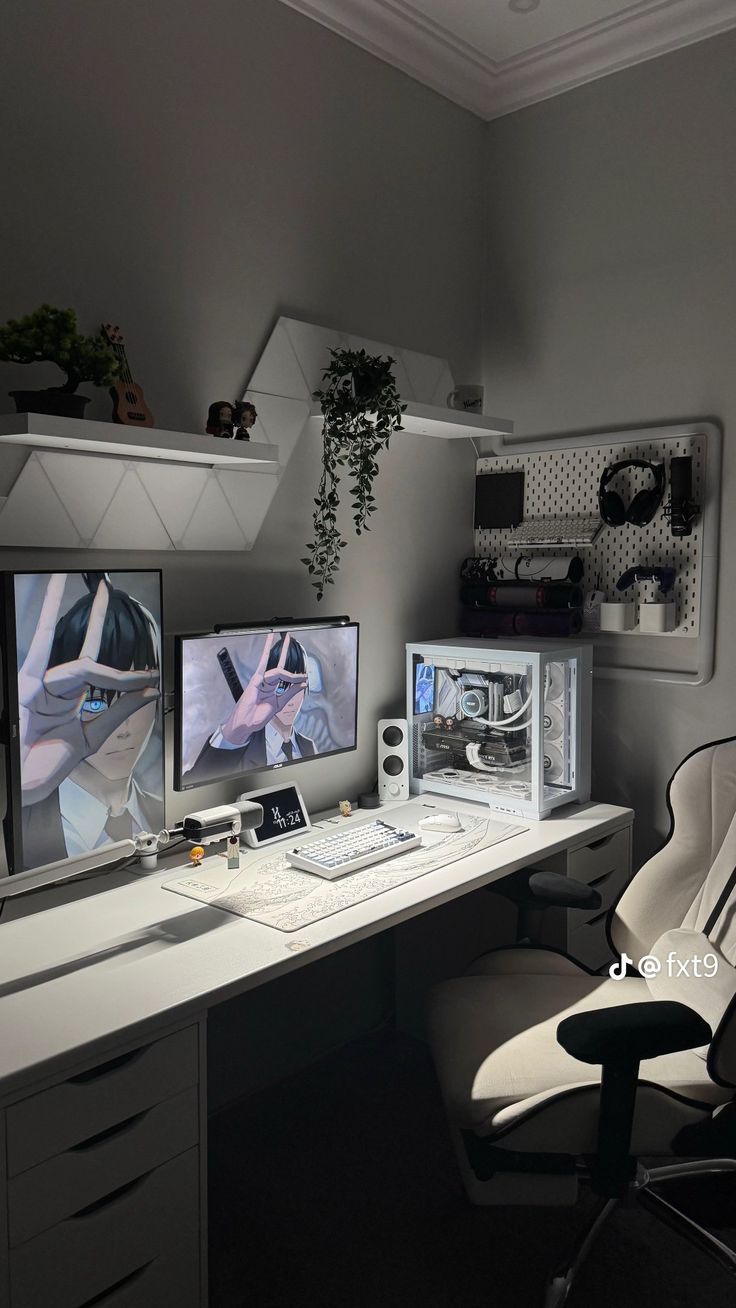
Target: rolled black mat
<point>517,622</point>
<point>522,595</point>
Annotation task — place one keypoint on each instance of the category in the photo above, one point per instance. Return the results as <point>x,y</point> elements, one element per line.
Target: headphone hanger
<point>645,503</point>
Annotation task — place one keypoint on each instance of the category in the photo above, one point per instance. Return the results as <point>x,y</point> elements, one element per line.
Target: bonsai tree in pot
<point>361,408</point>
<point>50,335</point>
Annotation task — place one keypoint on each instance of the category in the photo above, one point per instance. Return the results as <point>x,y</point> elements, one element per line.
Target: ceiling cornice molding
<point>400,34</point>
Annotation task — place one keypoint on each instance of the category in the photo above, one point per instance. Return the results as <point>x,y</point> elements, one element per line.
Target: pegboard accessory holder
<point>710,518</point>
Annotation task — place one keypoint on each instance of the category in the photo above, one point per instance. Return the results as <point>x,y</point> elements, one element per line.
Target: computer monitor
<point>81,656</point>
<point>253,699</point>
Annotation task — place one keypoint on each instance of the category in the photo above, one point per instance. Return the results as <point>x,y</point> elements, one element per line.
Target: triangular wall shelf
<point>290,369</point>
<point>102,485</point>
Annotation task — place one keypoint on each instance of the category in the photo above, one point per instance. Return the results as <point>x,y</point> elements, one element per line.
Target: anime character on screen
<point>88,696</point>
<point>261,729</point>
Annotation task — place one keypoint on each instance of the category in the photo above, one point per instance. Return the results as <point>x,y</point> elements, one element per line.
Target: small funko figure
<point>450,723</point>
<point>245,416</point>
<point>220,419</point>
<point>196,854</point>
<point>438,720</point>
<point>346,807</point>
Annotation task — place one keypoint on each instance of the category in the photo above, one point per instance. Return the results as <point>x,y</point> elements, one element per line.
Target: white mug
<point>469,398</point>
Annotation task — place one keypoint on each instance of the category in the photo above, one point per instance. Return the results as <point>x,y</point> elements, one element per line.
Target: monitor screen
<point>255,699</point>
<point>82,686</point>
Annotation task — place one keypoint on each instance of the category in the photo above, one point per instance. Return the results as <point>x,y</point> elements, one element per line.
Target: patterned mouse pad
<point>269,890</point>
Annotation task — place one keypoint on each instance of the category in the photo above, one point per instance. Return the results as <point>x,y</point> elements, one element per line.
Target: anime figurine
<point>261,729</point>
<point>245,416</point>
<point>196,854</point>
<point>346,807</point>
<point>220,419</point>
<point>88,693</point>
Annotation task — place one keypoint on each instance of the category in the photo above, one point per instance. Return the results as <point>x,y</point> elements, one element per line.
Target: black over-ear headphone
<point>644,504</point>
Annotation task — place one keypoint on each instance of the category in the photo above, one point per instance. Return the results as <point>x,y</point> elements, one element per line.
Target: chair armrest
<point>552,888</point>
<point>629,1033</point>
<point>530,888</point>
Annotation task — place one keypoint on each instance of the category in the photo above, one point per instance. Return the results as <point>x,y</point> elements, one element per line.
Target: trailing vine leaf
<point>361,408</point>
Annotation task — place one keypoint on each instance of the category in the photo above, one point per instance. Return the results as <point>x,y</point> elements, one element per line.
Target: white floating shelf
<point>46,431</point>
<point>448,424</point>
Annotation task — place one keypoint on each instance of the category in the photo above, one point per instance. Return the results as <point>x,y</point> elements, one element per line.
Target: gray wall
<point>609,302</point>
<point>191,170</point>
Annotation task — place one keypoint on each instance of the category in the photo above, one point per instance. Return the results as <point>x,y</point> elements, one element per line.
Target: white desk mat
<point>267,889</point>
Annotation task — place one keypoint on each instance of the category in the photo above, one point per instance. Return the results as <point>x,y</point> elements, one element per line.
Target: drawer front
<point>587,942</point>
<point>607,855</point>
<point>172,1278</point>
<point>95,1250</point>
<point>609,886</point>
<point>50,1122</point>
<point>44,1195</point>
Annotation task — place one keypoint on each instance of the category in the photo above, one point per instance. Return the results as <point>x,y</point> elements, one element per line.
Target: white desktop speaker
<point>393,759</point>
<point>554,724</point>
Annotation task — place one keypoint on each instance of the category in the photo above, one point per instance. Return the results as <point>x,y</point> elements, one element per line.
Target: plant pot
<point>367,385</point>
<point>65,404</point>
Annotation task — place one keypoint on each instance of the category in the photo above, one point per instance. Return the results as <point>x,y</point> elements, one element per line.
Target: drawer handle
<point>598,881</point>
<point>119,1128</point>
<point>104,1069</point>
<point>104,1297</point>
<point>114,1197</point>
<point>604,840</point>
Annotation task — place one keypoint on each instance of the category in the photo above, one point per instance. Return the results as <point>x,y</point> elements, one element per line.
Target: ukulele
<point>129,402</point>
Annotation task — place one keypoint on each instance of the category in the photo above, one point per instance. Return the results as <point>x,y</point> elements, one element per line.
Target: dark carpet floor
<point>338,1188</point>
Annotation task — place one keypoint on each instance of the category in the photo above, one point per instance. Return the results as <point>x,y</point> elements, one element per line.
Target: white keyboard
<point>346,851</point>
<point>566,529</point>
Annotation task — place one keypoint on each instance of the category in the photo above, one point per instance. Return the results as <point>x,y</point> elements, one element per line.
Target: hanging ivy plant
<point>361,408</point>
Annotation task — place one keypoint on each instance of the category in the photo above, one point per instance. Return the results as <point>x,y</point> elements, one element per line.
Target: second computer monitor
<point>256,699</point>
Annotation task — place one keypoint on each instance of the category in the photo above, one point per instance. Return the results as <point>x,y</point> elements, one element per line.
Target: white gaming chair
<point>543,1064</point>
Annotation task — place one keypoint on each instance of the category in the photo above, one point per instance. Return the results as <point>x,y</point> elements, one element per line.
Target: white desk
<point>135,969</point>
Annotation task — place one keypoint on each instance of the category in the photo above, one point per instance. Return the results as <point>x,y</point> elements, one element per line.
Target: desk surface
<point>78,979</point>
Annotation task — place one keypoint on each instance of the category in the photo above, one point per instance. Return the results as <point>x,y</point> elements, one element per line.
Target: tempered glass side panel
<point>472,728</point>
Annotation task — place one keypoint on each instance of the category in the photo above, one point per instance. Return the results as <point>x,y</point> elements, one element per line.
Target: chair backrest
<point>682,879</point>
<point>681,905</point>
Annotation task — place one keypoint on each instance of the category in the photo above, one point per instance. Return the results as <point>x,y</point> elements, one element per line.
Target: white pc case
<point>508,726</point>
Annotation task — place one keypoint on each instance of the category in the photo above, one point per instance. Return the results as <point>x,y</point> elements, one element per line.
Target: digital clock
<point>284,815</point>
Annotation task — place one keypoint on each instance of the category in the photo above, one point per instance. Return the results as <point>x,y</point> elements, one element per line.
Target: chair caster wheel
<point>557,1292</point>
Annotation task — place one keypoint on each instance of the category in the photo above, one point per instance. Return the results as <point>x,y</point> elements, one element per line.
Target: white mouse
<point>441,822</point>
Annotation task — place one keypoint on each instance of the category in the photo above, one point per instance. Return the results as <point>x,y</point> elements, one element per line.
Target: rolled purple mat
<point>516,622</point>
<point>520,595</point>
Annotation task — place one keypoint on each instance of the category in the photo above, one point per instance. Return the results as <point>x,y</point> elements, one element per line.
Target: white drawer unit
<point>105,1201</point>
<point>60,1187</point>
<point>47,1123</point>
<point>87,1254</point>
<point>606,865</point>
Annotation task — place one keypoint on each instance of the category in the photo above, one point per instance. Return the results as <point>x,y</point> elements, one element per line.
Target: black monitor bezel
<point>13,817</point>
<point>217,632</point>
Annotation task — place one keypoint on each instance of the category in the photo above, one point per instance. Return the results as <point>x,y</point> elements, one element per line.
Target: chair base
<point>561,1282</point>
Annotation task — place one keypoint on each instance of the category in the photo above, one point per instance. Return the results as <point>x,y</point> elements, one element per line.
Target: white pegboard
<point>565,481</point>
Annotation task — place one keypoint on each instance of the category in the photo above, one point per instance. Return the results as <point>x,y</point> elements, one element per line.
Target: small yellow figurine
<point>196,854</point>
<point>346,807</point>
